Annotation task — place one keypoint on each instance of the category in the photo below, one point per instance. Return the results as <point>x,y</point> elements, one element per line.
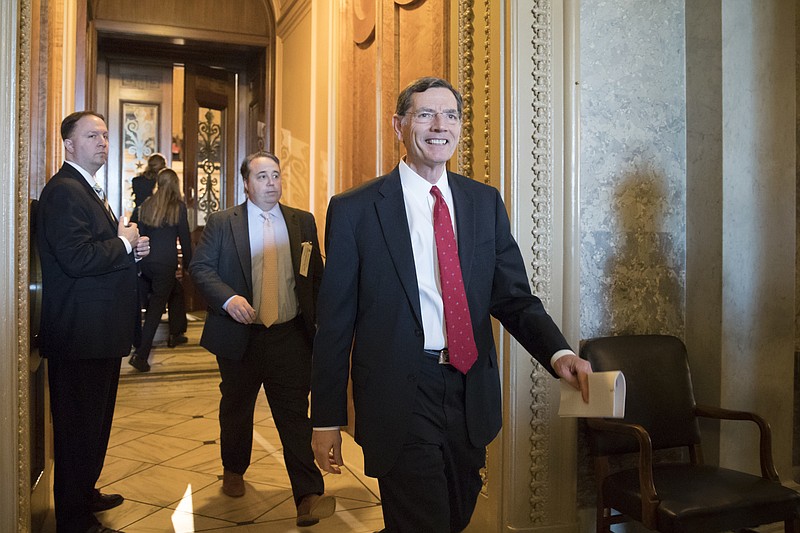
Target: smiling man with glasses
<point>417,262</point>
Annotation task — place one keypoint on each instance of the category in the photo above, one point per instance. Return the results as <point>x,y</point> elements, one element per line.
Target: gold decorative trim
<point>487,87</point>
<point>22,262</point>
<point>466,30</point>
<point>542,215</point>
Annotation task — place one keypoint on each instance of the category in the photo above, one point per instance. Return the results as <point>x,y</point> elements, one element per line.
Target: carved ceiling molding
<point>466,70</point>
<point>540,441</point>
<point>291,16</point>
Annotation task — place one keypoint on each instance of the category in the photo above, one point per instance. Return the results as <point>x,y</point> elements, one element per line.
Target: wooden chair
<point>661,413</point>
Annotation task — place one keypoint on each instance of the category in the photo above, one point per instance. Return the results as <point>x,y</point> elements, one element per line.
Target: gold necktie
<point>102,194</point>
<point>268,307</point>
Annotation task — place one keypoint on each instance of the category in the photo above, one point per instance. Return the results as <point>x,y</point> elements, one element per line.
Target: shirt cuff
<point>225,305</point>
<point>127,243</point>
<point>559,354</point>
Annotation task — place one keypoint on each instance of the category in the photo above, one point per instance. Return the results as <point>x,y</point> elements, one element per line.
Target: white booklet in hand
<point>606,397</point>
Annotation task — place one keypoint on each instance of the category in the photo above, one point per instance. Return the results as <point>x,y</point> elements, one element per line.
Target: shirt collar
<point>254,211</point>
<point>88,177</point>
<point>418,186</point>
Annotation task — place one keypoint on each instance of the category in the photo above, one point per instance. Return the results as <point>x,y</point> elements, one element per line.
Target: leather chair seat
<point>699,499</point>
<point>661,414</point>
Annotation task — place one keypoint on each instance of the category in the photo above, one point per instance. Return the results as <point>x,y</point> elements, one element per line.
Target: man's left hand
<point>142,247</point>
<point>574,371</point>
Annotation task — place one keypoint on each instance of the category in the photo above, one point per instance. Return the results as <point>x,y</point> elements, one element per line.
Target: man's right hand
<point>327,446</point>
<point>240,310</point>
<point>129,231</point>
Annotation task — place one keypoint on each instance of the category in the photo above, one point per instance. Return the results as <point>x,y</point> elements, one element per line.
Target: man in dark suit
<point>259,267</point>
<point>89,310</point>
<point>426,385</point>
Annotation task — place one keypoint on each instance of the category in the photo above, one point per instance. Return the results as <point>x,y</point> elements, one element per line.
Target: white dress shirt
<point>92,182</point>
<point>288,306</point>
<point>419,211</point>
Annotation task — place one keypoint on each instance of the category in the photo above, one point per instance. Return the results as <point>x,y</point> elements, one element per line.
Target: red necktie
<point>460,340</point>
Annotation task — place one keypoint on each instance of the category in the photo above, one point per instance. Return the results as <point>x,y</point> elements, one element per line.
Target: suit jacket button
<point>418,332</point>
<point>412,378</point>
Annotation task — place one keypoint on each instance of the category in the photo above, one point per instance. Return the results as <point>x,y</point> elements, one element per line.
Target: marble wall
<point>688,177</point>
<point>632,158</point>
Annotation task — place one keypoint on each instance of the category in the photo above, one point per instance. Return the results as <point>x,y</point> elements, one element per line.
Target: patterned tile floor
<point>164,458</point>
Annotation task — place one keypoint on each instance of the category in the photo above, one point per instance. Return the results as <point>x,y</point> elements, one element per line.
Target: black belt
<point>442,355</point>
<point>278,327</point>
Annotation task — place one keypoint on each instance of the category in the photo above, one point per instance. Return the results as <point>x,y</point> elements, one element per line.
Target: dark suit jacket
<point>89,303</point>
<point>369,297</point>
<point>163,248</point>
<point>221,268</point>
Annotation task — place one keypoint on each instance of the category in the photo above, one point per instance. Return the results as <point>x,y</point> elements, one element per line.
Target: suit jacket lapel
<point>241,239</point>
<point>391,212</point>
<point>293,228</point>
<point>73,172</point>
<point>465,222</point>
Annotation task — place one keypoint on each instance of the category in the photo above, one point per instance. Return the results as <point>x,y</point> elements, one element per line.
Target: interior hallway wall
<point>688,170</point>
<point>632,175</point>
<point>633,158</point>
<point>741,225</point>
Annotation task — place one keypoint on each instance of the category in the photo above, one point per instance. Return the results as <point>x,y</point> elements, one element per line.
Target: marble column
<point>741,220</point>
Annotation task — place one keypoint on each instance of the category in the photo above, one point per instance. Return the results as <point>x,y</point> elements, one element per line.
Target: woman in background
<point>144,183</point>
<point>163,218</point>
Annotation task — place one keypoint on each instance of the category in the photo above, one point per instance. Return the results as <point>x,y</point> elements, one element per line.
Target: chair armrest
<point>647,487</point>
<point>768,470</point>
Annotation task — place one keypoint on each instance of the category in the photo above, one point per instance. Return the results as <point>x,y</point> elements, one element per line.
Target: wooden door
<point>210,152</point>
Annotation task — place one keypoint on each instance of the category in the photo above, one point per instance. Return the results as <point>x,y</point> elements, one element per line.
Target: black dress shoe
<point>175,340</point>
<point>139,363</point>
<point>104,502</point>
<point>100,528</point>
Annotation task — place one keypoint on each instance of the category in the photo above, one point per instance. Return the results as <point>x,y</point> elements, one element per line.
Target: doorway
<point>202,109</point>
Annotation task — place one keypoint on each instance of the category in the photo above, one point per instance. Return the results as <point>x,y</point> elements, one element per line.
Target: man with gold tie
<point>258,265</point>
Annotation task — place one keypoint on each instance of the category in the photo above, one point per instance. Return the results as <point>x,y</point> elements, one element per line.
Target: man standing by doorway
<point>258,265</point>
<point>89,310</point>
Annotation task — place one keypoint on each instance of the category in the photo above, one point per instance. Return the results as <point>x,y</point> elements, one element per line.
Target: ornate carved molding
<point>363,20</point>
<point>22,262</point>
<point>487,80</point>
<point>541,39</point>
<point>466,30</point>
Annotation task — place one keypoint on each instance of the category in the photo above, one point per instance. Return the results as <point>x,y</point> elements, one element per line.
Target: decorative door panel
<point>210,141</point>
<point>139,125</point>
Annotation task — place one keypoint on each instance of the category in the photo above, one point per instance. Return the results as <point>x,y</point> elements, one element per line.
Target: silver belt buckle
<point>444,357</point>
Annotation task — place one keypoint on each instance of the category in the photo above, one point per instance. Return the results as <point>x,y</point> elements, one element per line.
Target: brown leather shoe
<point>313,508</point>
<point>232,484</point>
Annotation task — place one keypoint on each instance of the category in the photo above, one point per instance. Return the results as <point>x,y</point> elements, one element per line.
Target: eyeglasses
<point>450,118</point>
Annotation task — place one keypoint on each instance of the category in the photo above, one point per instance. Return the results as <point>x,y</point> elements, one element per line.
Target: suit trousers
<point>176,306</point>
<point>162,283</point>
<point>82,397</point>
<point>434,484</point>
<point>279,359</point>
